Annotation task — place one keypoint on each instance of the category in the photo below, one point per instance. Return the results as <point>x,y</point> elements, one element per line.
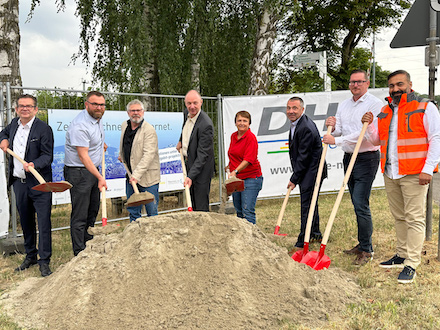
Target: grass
<point>385,303</point>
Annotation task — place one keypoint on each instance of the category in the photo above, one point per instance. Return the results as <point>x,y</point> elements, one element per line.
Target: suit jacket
<point>144,157</point>
<point>39,149</point>
<point>305,151</point>
<point>200,155</point>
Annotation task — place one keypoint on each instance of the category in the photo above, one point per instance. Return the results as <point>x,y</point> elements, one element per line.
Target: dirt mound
<point>183,270</point>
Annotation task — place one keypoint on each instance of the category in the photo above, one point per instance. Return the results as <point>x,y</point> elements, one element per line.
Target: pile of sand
<point>183,270</point>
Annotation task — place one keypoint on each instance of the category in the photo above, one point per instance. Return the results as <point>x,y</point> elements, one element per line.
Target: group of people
<point>402,136</point>
<point>32,140</point>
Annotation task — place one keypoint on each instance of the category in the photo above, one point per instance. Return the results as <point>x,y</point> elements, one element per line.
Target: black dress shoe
<point>45,270</point>
<point>26,264</point>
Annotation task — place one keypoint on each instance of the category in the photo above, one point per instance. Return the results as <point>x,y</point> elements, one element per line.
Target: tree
<point>337,26</point>
<point>9,43</point>
<point>288,79</point>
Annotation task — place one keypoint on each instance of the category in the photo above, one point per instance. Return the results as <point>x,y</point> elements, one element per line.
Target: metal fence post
<point>11,191</point>
<point>221,161</point>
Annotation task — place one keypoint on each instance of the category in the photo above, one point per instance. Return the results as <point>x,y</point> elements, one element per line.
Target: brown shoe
<point>354,250</point>
<point>362,258</point>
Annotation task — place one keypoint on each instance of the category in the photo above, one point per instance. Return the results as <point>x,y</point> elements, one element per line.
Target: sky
<point>50,39</point>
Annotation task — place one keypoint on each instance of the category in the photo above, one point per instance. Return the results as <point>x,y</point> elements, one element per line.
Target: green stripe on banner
<point>277,152</point>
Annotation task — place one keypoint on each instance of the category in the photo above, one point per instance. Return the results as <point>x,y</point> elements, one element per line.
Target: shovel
<point>138,198</point>
<point>233,184</point>
<point>43,186</point>
<point>187,193</point>
<point>319,260</point>
<point>299,255</point>
<point>103,200</point>
<point>280,216</point>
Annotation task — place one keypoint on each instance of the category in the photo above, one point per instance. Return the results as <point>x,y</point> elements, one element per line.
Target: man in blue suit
<point>305,149</point>
<point>32,140</point>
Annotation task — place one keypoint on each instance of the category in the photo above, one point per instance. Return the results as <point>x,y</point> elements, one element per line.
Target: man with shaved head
<point>197,144</point>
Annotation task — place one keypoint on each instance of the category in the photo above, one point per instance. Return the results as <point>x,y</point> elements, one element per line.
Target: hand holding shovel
<point>319,260</point>
<point>233,184</point>
<point>137,198</point>
<point>299,255</point>
<point>187,193</point>
<point>43,186</point>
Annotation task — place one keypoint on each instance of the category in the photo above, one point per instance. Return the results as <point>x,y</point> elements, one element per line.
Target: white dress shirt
<point>186,132</point>
<point>349,124</point>
<point>20,143</point>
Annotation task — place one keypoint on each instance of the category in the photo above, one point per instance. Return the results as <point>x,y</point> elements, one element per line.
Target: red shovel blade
<point>322,263</point>
<point>300,254</point>
<point>234,186</point>
<point>276,232</point>
<point>317,261</point>
<point>53,186</point>
<point>104,222</point>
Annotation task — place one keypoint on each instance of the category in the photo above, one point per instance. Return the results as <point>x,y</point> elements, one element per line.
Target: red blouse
<point>245,148</point>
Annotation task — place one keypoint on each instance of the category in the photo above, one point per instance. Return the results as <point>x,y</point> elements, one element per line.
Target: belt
<point>363,153</point>
<point>20,179</point>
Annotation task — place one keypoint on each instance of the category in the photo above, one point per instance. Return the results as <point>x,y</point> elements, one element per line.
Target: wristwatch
<point>236,172</point>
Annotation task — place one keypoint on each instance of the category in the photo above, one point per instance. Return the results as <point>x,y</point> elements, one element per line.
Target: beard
<point>396,97</point>
<point>137,120</point>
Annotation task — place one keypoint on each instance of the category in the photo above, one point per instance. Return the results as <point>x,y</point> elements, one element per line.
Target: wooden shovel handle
<point>134,185</point>
<point>316,189</point>
<point>103,199</point>
<point>187,193</point>
<point>344,184</point>
<point>283,208</point>
<point>31,169</point>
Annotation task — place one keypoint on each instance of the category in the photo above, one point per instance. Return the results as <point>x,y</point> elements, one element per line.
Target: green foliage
<point>153,47</point>
<point>336,26</point>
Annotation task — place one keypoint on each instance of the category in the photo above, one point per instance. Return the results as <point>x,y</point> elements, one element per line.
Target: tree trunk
<point>266,35</point>
<point>9,43</point>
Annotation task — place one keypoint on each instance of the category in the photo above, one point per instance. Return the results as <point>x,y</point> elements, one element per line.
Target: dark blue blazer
<point>305,151</point>
<point>39,149</point>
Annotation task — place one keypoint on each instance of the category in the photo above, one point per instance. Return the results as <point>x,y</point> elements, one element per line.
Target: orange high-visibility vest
<point>412,139</point>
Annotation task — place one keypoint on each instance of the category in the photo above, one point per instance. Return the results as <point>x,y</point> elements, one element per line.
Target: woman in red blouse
<point>244,164</point>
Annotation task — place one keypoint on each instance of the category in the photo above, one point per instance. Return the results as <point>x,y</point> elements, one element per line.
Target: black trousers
<point>85,199</point>
<point>200,195</point>
<point>306,199</point>
<point>29,203</point>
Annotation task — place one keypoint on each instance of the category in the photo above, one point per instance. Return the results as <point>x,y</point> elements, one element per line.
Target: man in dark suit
<point>197,144</point>
<point>32,140</point>
<point>305,149</point>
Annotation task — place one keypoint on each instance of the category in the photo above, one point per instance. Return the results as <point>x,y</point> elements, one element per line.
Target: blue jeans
<point>244,201</point>
<point>359,185</point>
<point>151,208</point>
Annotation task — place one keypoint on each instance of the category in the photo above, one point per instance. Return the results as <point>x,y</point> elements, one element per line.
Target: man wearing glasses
<point>346,129</point>
<point>32,140</point>
<point>83,156</point>
<point>140,152</point>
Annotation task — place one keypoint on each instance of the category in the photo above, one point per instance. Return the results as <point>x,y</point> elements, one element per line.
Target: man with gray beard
<point>139,151</point>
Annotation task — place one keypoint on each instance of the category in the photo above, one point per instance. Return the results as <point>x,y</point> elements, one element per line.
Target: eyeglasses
<point>27,107</point>
<point>357,82</point>
<point>96,105</point>
<point>136,110</point>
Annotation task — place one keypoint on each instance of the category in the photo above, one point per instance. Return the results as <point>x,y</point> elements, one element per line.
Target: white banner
<point>168,127</point>
<point>4,202</point>
<point>270,125</point>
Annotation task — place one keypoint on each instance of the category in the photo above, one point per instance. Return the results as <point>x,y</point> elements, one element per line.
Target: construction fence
<point>65,104</point>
